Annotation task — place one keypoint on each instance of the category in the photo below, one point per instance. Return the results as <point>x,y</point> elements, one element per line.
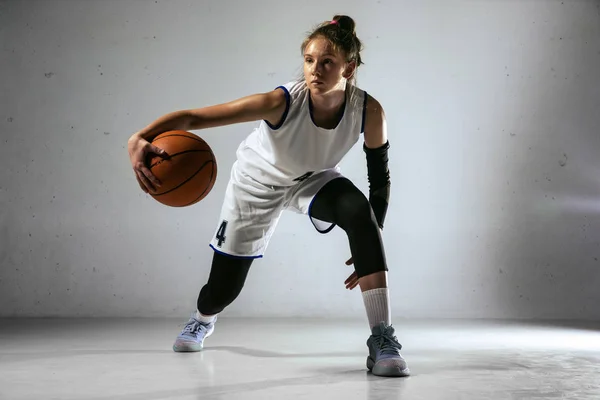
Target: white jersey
<point>288,153</point>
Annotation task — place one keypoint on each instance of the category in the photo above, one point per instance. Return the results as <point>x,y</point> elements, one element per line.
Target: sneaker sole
<point>186,347</point>
<point>386,371</point>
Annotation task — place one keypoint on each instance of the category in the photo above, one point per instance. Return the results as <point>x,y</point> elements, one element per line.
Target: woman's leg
<point>225,282</point>
<point>342,203</point>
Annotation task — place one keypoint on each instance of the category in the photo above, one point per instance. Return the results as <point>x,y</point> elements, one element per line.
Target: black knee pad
<point>354,210</point>
<point>342,203</point>
<point>227,277</point>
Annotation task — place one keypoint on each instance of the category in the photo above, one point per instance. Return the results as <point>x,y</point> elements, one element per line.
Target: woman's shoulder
<point>295,88</point>
<point>362,99</point>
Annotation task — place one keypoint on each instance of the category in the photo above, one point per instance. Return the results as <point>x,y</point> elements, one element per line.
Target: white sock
<point>377,304</point>
<point>204,318</point>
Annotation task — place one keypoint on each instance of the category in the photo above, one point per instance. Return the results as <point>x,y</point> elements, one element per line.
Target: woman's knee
<point>211,301</point>
<point>225,283</point>
<point>355,210</point>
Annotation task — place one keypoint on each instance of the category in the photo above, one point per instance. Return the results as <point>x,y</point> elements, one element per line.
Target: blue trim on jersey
<point>364,113</point>
<point>231,255</point>
<point>311,219</point>
<point>285,113</point>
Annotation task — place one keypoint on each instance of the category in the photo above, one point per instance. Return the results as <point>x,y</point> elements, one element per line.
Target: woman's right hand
<point>139,149</point>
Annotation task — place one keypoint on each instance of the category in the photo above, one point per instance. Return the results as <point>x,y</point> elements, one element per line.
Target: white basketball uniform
<point>283,167</point>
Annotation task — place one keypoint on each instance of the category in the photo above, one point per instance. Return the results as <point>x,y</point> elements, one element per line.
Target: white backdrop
<point>493,118</point>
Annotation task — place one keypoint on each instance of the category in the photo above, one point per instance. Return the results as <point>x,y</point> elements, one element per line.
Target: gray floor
<point>295,359</point>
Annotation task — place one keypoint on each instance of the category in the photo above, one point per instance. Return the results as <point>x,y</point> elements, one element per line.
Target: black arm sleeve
<point>378,175</point>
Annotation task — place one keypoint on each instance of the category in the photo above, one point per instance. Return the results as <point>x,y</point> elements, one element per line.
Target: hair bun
<point>345,22</point>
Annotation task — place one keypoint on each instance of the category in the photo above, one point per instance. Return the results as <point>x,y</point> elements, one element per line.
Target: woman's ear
<point>350,69</point>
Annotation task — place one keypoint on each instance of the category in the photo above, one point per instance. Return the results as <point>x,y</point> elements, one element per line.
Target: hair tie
<point>333,22</point>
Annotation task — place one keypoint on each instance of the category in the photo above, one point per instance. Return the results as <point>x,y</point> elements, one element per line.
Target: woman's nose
<point>316,69</point>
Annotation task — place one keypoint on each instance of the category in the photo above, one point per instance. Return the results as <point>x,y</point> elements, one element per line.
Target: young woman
<point>290,162</point>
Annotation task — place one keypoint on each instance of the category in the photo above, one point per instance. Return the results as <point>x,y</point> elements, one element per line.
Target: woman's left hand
<point>352,281</point>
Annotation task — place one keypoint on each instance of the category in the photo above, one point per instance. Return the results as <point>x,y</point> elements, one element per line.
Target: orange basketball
<point>187,173</point>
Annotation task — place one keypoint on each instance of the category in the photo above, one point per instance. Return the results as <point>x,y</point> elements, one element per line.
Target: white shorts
<point>251,211</point>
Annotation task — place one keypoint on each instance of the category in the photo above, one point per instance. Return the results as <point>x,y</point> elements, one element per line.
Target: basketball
<point>187,173</point>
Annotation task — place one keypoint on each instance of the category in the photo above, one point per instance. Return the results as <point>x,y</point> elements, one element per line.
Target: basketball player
<point>290,162</point>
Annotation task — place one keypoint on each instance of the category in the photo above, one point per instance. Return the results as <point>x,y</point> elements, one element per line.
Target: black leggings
<point>339,202</point>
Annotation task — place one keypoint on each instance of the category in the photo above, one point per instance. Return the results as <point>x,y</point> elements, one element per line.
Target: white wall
<point>493,118</point>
